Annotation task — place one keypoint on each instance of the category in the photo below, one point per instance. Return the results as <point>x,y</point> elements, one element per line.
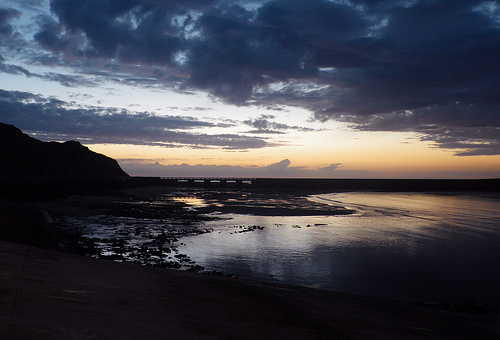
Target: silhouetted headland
<point>31,169</point>
<point>22,155</point>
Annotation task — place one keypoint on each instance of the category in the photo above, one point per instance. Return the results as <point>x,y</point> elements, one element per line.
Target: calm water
<point>401,246</point>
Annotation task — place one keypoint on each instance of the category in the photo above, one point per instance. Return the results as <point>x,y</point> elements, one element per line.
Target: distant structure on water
<point>335,184</point>
<point>206,181</point>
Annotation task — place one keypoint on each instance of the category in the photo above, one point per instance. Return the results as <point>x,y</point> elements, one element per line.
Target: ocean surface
<point>410,247</point>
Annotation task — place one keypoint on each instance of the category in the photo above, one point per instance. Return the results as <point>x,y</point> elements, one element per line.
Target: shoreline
<point>44,224</point>
<point>55,295</point>
<point>88,204</point>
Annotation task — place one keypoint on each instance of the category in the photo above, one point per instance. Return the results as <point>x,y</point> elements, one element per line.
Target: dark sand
<point>53,295</point>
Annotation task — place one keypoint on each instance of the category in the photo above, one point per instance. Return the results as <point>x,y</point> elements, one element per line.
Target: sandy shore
<point>46,294</point>
<point>53,295</point>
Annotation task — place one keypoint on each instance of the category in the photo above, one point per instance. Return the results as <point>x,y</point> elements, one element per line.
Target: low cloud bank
<point>282,168</point>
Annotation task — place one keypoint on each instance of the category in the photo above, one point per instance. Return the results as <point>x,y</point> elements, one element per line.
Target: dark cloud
<point>50,35</point>
<point>6,15</point>
<point>469,129</point>
<point>422,66</point>
<point>63,79</point>
<point>12,42</point>
<point>431,67</point>
<point>57,119</point>
<point>14,69</point>
<point>467,141</point>
<point>132,31</point>
<point>233,55</point>
<point>30,3</point>
<point>264,124</point>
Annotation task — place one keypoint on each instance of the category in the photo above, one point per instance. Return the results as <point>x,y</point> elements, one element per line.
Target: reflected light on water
<point>407,247</point>
<point>195,202</point>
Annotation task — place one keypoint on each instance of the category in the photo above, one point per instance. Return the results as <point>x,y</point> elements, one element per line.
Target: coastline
<point>54,295</point>
<point>58,296</point>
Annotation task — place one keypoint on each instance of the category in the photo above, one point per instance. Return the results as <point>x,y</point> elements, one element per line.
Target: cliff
<point>22,155</point>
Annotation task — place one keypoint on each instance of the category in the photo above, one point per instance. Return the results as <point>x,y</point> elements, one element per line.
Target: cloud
<point>283,168</point>
<point>6,15</point>
<point>264,124</point>
<point>53,118</point>
<point>278,169</point>
<point>132,31</point>
<point>470,129</point>
<point>280,166</point>
<point>63,79</point>
<point>416,66</point>
<point>331,167</point>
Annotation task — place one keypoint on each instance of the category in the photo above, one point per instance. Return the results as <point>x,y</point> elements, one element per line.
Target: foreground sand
<point>52,295</point>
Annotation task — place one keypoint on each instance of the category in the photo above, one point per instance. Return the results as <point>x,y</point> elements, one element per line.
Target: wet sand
<point>52,295</point>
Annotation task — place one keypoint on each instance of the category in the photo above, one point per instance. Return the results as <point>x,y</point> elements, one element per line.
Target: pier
<point>208,181</point>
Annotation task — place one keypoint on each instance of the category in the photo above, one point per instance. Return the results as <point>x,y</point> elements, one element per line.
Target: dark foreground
<point>52,295</point>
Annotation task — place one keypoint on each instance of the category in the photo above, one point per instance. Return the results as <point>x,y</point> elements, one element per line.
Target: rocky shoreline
<point>142,224</point>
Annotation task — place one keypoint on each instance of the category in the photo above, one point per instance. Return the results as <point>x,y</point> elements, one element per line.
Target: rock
<point>22,155</point>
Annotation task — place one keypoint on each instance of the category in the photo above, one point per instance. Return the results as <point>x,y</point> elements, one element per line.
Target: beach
<point>52,295</point>
<point>406,247</point>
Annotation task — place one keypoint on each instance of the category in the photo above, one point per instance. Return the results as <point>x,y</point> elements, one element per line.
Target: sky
<point>278,88</point>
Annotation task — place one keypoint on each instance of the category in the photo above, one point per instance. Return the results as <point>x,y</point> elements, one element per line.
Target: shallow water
<point>401,246</point>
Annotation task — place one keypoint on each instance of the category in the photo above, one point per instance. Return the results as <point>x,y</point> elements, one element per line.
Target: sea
<point>404,246</point>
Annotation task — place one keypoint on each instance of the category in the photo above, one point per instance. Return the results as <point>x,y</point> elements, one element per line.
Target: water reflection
<point>192,201</point>
<point>407,247</point>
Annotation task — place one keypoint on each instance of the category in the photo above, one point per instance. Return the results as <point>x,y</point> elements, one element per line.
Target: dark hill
<point>22,155</point>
